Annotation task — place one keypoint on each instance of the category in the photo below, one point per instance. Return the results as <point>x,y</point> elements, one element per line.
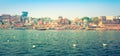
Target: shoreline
<point>69,29</point>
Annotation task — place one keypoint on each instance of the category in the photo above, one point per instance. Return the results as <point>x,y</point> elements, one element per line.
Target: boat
<point>58,28</point>
<point>41,29</point>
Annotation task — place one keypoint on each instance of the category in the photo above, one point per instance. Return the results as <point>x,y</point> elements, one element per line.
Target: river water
<point>59,43</point>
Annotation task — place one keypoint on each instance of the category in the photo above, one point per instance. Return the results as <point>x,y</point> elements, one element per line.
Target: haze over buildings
<point>66,8</point>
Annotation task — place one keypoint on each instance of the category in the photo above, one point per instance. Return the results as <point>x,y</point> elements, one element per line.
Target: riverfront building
<point>0,17</point>
<point>110,22</point>
<point>24,16</point>
<point>110,19</point>
<point>6,18</point>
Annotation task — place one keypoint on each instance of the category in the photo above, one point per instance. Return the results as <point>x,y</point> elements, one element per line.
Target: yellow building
<point>110,17</point>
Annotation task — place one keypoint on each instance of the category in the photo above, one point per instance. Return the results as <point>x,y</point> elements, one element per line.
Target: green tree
<point>47,19</point>
<point>95,20</point>
<point>86,18</point>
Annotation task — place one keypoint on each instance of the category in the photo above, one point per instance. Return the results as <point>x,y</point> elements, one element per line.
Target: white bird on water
<point>33,46</point>
<point>104,45</point>
<point>74,45</point>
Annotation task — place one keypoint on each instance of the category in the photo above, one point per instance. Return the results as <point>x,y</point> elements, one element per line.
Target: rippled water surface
<point>59,43</point>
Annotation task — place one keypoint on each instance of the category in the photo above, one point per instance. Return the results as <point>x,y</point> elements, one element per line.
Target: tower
<point>24,16</point>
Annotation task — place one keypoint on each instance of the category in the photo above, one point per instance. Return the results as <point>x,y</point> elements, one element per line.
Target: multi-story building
<point>0,17</point>
<point>117,19</point>
<point>0,20</point>
<point>40,22</point>
<point>24,16</point>
<point>17,18</point>
<point>110,19</point>
<point>30,21</point>
<point>5,18</point>
<point>102,19</point>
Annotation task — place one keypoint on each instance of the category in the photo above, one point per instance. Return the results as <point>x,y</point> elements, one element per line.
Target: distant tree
<point>86,21</point>
<point>47,19</point>
<point>1,22</point>
<point>38,19</point>
<point>95,20</point>
<point>66,21</point>
<point>70,22</point>
<point>59,20</point>
<point>86,18</point>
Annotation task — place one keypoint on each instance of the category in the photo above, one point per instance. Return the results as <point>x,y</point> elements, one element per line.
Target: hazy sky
<point>66,8</point>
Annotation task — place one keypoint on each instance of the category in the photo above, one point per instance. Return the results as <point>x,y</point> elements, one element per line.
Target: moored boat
<point>41,29</point>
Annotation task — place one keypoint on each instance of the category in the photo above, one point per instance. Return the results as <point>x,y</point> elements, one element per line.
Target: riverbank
<point>87,29</point>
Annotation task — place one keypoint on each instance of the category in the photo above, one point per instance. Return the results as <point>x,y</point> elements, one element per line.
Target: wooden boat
<point>41,29</point>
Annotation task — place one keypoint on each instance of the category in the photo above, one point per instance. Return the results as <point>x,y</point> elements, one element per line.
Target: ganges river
<point>59,43</point>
